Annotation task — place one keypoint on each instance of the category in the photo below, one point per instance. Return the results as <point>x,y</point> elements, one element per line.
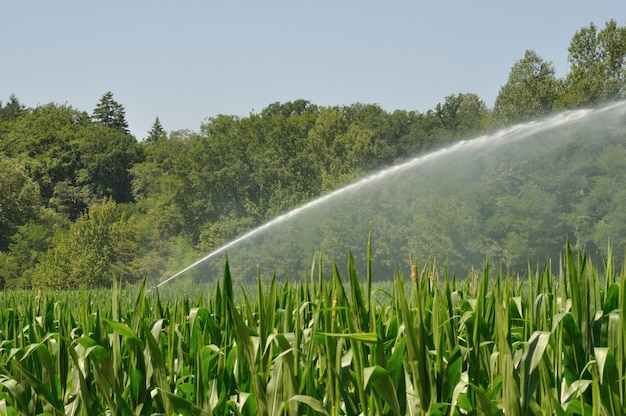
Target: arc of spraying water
<point>522,130</point>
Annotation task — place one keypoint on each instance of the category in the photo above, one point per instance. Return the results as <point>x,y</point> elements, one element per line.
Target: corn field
<point>429,344</point>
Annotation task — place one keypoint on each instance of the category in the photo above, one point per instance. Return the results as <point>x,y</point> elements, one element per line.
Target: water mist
<point>511,197</point>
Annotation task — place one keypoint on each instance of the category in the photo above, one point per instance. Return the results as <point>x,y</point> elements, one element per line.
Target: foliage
<point>45,138</point>
<point>110,113</point>
<point>189,192</point>
<point>74,162</point>
<point>598,65</point>
<point>26,246</point>
<point>530,91</point>
<point>156,132</point>
<point>463,115</point>
<point>19,198</point>
<point>107,155</point>
<point>96,249</point>
<point>551,344</point>
<point>11,109</point>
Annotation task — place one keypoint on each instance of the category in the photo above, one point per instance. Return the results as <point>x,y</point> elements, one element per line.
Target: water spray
<point>483,144</point>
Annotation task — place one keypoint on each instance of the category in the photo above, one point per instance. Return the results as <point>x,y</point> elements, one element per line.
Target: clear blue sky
<point>188,60</point>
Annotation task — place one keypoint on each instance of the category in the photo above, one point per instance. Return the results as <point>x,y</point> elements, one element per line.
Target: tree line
<point>82,201</point>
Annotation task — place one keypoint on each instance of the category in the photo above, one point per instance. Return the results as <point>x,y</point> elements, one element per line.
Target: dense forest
<point>83,201</point>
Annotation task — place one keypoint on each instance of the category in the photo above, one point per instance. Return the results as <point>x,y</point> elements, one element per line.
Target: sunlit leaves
<point>529,92</point>
<point>549,344</point>
<point>97,248</point>
<point>597,59</point>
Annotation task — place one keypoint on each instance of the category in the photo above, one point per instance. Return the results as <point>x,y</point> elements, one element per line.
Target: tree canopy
<point>83,202</point>
<point>530,91</point>
<point>598,65</point>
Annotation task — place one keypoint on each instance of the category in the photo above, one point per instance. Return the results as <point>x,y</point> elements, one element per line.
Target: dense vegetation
<point>83,202</point>
<point>550,344</point>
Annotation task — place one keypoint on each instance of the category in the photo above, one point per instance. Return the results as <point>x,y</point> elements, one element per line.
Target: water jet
<point>511,197</point>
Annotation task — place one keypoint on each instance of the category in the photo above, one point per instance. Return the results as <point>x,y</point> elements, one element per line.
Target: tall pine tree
<point>156,132</point>
<point>110,113</point>
<point>12,109</point>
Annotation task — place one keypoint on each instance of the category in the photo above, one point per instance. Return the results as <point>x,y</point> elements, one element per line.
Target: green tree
<point>30,241</point>
<point>597,65</point>
<point>107,155</point>
<point>473,114</point>
<point>446,226</point>
<point>110,113</point>
<point>373,118</point>
<point>156,133</point>
<point>597,215</point>
<point>11,109</point>
<point>19,198</point>
<point>448,113</point>
<point>323,148</point>
<point>158,184</point>
<point>97,248</point>
<point>283,173</point>
<point>522,228</point>
<point>462,115</point>
<point>530,91</point>
<point>46,139</point>
<point>358,151</point>
<point>220,176</point>
<point>74,161</point>
<point>417,132</point>
<point>71,199</point>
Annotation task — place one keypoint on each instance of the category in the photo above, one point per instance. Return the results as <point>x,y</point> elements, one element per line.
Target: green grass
<point>423,344</point>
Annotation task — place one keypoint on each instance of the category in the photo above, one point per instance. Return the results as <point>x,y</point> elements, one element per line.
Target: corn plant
<point>431,344</point>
